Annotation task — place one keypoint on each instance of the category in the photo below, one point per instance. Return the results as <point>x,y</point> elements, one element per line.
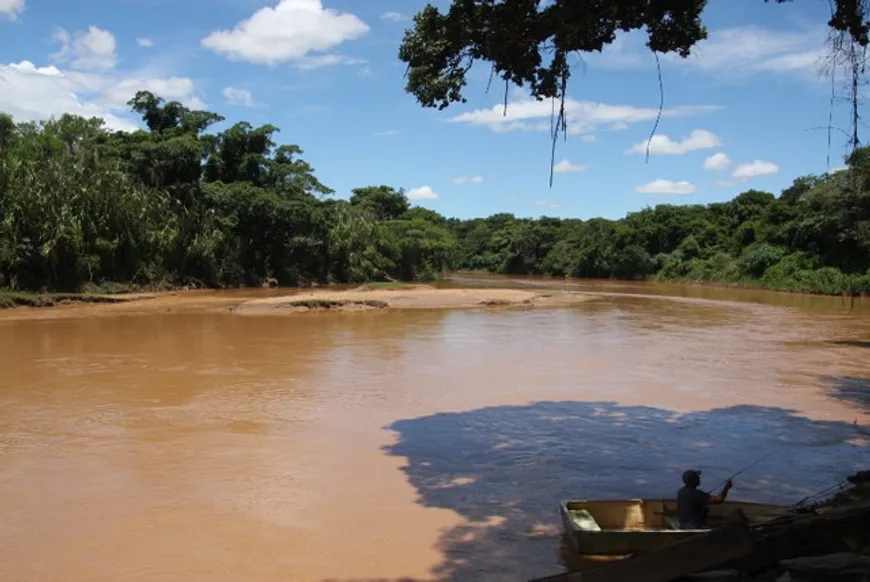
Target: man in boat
<point>692,502</point>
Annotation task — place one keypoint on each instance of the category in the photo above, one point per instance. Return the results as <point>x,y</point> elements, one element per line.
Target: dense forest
<point>84,208</point>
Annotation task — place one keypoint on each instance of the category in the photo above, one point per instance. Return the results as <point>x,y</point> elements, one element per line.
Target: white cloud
<point>393,16</point>
<point>468,180</point>
<point>666,187</point>
<point>840,169</point>
<point>287,32</point>
<point>663,145</point>
<point>387,133</point>
<point>145,42</point>
<point>421,193</point>
<point>31,93</point>
<point>318,61</point>
<point>118,92</point>
<point>91,50</point>
<point>236,96</point>
<point>754,49</point>
<point>583,116</point>
<point>752,169</point>
<point>548,204</point>
<point>736,52</point>
<point>565,166</point>
<point>718,161</point>
<point>11,8</point>
<point>589,137</point>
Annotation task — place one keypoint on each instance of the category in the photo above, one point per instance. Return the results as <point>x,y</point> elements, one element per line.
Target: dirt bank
<point>411,297</point>
<point>10,299</point>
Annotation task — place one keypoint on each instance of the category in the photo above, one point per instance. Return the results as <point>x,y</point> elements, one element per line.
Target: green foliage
<point>515,37</point>
<point>813,238</point>
<point>84,208</point>
<point>383,202</point>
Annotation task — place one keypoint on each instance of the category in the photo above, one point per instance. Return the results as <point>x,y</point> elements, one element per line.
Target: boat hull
<point>631,526</point>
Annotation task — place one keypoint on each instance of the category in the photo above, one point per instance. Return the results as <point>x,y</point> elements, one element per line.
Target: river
<point>172,441</point>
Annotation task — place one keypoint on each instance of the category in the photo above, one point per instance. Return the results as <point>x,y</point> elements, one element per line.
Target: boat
<point>622,527</point>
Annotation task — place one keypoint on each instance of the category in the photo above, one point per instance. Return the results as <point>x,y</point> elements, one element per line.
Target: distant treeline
<point>82,207</point>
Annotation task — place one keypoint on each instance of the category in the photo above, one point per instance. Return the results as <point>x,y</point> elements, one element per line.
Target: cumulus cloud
<point>565,167</point>
<point>583,117</point>
<point>663,145</point>
<point>753,169</point>
<point>288,32</point>
<point>236,96</point>
<point>421,193</point>
<point>117,92</point>
<point>11,8</point>
<point>94,49</point>
<point>393,16</point>
<point>718,161</point>
<point>31,93</point>
<point>145,42</point>
<point>468,180</point>
<point>666,187</point>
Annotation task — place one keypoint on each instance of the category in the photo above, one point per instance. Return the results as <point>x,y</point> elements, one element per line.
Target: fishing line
<point>747,467</point>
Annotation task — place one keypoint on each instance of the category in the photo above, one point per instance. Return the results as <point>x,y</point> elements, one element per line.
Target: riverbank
<point>742,284</point>
<point>11,299</point>
<point>407,297</point>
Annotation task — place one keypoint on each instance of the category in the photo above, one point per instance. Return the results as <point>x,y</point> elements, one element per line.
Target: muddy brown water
<point>170,440</point>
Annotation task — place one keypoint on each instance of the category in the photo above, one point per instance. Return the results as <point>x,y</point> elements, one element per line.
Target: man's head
<point>692,478</point>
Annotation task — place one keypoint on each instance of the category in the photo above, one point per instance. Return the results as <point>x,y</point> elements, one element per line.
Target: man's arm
<point>717,499</point>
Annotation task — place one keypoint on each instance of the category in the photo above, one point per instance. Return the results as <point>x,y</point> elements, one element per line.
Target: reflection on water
<point>200,445</point>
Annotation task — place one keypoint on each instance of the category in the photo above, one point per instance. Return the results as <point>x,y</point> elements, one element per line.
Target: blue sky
<point>739,114</point>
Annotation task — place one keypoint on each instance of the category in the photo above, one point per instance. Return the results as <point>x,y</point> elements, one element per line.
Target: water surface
<point>174,441</point>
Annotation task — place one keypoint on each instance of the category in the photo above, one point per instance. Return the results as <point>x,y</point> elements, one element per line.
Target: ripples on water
<point>208,446</point>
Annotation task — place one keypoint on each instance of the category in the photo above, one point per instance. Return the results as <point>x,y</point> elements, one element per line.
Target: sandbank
<point>410,297</point>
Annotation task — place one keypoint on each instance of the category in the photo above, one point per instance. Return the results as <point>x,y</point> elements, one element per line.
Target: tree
<point>528,42</point>
<point>517,36</point>
<point>384,202</point>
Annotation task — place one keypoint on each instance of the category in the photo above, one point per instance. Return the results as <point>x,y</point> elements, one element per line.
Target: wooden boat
<point>630,526</point>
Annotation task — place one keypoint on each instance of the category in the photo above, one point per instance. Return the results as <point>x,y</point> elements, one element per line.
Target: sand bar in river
<point>411,297</point>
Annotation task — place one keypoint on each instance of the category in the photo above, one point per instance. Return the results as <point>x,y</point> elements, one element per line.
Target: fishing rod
<point>747,467</point>
<point>827,491</point>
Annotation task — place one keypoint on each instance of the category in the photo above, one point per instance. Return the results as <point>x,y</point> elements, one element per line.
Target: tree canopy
<point>527,42</point>
<point>82,207</point>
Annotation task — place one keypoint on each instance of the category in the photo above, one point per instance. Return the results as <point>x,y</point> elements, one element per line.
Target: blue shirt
<point>692,508</point>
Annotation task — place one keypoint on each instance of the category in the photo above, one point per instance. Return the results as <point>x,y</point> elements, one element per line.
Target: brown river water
<point>172,441</point>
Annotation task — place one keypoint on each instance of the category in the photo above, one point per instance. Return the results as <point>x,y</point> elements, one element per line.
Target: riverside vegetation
<point>83,208</point>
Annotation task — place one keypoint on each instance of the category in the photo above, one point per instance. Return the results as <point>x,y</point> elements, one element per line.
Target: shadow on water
<point>503,469</point>
<point>850,389</point>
